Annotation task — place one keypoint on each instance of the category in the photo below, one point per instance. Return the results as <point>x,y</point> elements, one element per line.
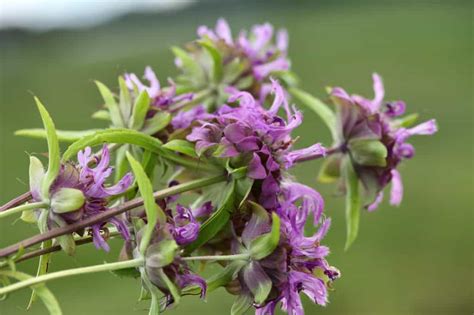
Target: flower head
<point>86,182</point>
<point>376,138</point>
<point>257,136</point>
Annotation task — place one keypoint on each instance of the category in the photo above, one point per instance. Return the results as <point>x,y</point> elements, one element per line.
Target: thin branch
<point>17,201</point>
<point>104,216</point>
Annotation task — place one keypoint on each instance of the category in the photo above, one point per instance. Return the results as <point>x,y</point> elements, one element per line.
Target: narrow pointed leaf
<point>154,213</point>
<point>181,146</point>
<point>353,203</point>
<point>43,265</point>
<point>217,67</point>
<point>101,115</point>
<point>321,109</point>
<point>140,108</point>
<point>125,101</point>
<point>156,123</point>
<point>224,276</point>
<point>116,135</point>
<point>63,135</point>
<point>110,104</point>
<point>241,304</point>
<point>53,150</point>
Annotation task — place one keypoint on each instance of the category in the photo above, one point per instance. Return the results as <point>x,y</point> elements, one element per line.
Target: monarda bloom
<point>297,265</point>
<point>255,137</point>
<point>373,135</point>
<point>80,191</point>
<point>217,61</point>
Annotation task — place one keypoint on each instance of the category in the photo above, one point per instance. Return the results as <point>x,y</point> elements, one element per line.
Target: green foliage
<point>353,202</point>
<point>53,150</point>
<point>368,152</point>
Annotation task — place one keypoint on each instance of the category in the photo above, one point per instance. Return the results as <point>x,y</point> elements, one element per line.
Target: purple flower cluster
<point>298,264</point>
<point>258,136</point>
<point>89,177</point>
<point>264,55</point>
<point>166,99</point>
<point>364,119</point>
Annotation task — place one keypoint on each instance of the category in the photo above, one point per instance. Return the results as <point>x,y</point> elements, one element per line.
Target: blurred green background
<point>414,259</point>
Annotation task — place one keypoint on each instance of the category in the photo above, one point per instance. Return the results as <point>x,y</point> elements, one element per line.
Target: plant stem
<point>71,272</point>
<point>17,201</point>
<point>112,212</point>
<point>218,257</point>
<point>56,248</point>
<point>28,206</point>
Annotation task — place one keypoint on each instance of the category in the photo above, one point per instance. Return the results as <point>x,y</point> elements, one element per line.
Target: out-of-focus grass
<point>409,260</point>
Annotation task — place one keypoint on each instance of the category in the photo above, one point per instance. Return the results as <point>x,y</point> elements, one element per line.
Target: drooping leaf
<point>140,108</point>
<point>265,244</point>
<point>41,290</point>
<point>111,105</point>
<point>63,135</point>
<point>321,109</point>
<point>121,136</point>
<point>53,150</point>
<point>368,152</point>
<point>353,202</point>
<point>153,212</point>
<point>181,146</point>
<point>217,66</point>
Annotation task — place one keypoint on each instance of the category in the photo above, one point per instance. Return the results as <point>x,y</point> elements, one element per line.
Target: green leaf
<point>216,222</point>
<point>368,152</point>
<point>330,169</point>
<point>101,115</point>
<point>67,200</point>
<point>127,273</point>
<point>181,146</point>
<point>226,275</point>
<point>353,202</point>
<point>111,105</point>
<point>121,136</point>
<point>63,135</point>
<point>190,66</point>
<point>156,123</point>
<point>241,304</point>
<point>36,173</point>
<point>161,254</point>
<point>171,286</point>
<point>140,108</point>
<point>41,290</point>
<point>125,100</point>
<point>217,66</point>
<point>67,243</point>
<point>53,150</point>
<point>154,293</point>
<point>258,282</point>
<point>154,213</point>
<point>321,109</point>
<point>265,244</point>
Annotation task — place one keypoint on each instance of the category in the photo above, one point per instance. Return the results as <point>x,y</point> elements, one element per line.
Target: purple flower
<point>368,124</point>
<point>87,178</point>
<point>185,228</point>
<point>265,55</point>
<point>259,136</point>
<point>298,264</point>
<point>162,98</point>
